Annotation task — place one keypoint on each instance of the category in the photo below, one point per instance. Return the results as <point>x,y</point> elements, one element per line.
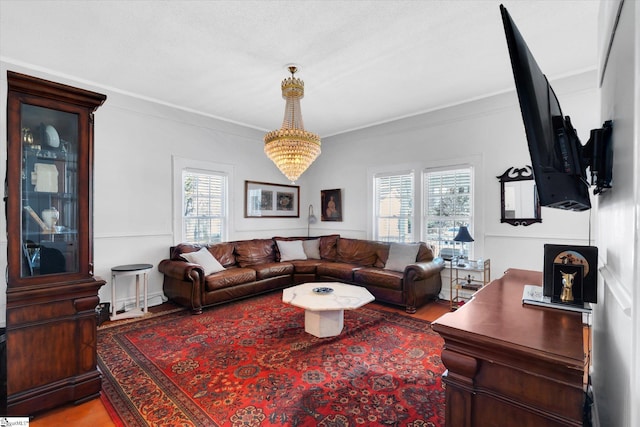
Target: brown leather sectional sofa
<point>254,266</point>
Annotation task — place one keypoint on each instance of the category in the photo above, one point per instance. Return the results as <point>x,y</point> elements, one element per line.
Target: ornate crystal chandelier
<point>292,148</point>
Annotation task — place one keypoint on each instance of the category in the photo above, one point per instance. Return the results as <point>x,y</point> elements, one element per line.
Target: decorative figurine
<point>567,286</point>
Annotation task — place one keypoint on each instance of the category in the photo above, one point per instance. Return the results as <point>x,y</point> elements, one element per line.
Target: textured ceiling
<point>363,62</point>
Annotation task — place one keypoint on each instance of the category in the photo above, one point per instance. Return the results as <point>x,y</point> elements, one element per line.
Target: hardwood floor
<point>94,413</point>
<point>91,413</point>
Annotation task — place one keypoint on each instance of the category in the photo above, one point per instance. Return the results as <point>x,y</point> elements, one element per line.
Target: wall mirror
<point>518,197</point>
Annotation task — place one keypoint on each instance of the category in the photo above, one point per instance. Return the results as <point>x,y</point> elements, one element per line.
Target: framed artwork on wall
<point>331,205</point>
<point>265,200</point>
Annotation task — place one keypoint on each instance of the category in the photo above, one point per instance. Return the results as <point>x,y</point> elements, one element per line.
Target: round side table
<point>130,270</point>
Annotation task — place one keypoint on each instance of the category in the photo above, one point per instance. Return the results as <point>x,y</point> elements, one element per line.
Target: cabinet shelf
<point>40,232</point>
<point>30,195</point>
<point>39,153</point>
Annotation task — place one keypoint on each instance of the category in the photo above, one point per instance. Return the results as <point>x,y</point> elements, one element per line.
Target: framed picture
<point>585,256</point>
<point>265,200</point>
<point>331,202</point>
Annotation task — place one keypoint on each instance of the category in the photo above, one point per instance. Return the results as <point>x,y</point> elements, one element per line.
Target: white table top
<point>343,297</point>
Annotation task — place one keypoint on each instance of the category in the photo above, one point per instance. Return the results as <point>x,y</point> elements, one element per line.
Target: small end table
<point>130,270</point>
<point>469,283</point>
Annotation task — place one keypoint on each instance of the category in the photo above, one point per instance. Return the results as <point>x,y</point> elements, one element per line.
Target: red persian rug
<point>250,363</point>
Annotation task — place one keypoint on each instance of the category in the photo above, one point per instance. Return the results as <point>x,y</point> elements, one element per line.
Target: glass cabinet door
<point>49,191</point>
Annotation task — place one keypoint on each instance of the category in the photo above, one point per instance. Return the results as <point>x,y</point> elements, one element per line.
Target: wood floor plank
<point>91,413</point>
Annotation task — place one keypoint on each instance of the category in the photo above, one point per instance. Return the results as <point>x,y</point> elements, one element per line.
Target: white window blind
<point>394,201</point>
<point>448,204</point>
<point>204,203</point>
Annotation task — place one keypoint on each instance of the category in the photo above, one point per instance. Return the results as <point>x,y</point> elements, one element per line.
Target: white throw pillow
<point>311,248</point>
<point>290,250</point>
<point>203,257</point>
<point>401,255</point>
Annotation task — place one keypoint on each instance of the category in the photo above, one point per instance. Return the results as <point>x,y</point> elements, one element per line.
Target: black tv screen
<point>556,151</point>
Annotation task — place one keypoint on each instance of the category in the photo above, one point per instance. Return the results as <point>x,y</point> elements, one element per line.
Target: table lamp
<point>311,219</point>
<point>463,236</point>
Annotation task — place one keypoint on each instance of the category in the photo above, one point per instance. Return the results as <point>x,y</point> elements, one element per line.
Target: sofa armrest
<point>424,270</point>
<point>183,282</point>
<point>181,270</point>
<point>422,281</point>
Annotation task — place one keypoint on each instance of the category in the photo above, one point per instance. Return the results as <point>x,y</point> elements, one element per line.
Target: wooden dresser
<point>510,364</point>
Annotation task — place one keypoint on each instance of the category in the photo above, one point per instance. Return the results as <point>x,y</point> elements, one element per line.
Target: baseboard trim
<point>129,303</point>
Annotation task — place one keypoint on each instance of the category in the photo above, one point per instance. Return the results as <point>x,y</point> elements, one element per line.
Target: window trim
<point>475,161</point>
<point>390,170</point>
<point>472,221</point>
<point>376,202</point>
<point>180,164</point>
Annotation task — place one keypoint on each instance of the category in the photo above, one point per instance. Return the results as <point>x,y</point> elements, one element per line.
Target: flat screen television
<point>558,158</point>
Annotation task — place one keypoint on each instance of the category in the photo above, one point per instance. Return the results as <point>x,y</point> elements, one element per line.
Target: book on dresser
<point>533,295</point>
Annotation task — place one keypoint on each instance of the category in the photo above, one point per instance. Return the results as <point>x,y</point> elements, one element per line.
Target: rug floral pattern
<point>250,363</point>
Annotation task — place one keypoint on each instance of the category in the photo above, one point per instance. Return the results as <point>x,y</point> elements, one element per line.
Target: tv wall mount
<point>597,155</point>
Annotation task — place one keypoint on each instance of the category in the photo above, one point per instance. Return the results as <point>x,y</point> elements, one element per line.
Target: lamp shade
<point>311,219</point>
<point>463,235</point>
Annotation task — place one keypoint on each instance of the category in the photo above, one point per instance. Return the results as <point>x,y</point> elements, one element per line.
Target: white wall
<point>616,325</point>
<point>490,130</point>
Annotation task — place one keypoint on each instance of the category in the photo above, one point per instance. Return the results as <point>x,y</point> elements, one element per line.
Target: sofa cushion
<point>329,247</point>
<point>229,277</point>
<point>379,277</point>
<point>272,269</point>
<point>425,254</point>
<point>290,250</point>
<point>224,253</point>
<point>255,252</point>
<point>307,266</point>
<point>383,254</point>
<point>337,270</point>
<point>206,260</point>
<point>401,255</point>
<point>181,248</point>
<point>356,251</point>
<point>311,248</point>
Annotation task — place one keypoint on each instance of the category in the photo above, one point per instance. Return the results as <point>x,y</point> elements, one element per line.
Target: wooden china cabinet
<point>51,291</point>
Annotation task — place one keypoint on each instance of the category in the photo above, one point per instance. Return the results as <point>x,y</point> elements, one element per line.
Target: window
<point>204,206</point>
<point>201,201</point>
<point>448,204</point>
<point>393,199</point>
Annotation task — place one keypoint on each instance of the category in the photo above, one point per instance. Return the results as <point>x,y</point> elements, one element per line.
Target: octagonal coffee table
<point>324,304</point>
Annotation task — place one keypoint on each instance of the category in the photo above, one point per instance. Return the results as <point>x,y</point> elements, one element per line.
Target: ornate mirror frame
<point>519,204</point>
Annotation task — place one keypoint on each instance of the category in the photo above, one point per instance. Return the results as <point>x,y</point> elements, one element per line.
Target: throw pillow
<point>401,255</point>
<point>203,257</point>
<point>290,250</point>
<point>311,248</point>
